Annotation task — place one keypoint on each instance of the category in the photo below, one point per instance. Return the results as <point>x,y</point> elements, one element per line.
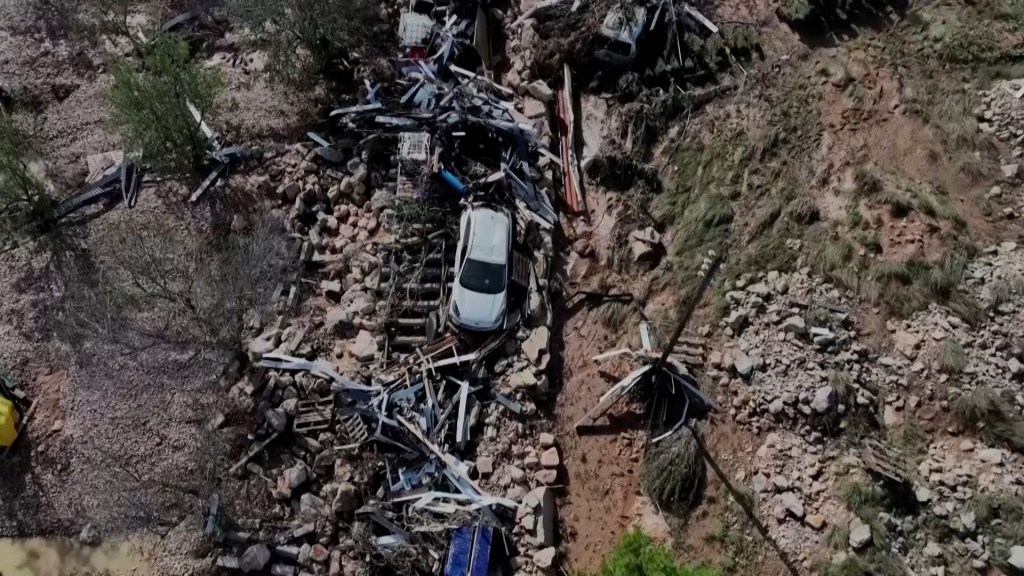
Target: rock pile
<point>793,367</point>
<point>1001,115</point>
<point>791,338</point>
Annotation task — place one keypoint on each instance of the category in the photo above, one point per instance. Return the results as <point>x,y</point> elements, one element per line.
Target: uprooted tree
<point>310,39</point>
<point>24,203</point>
<point>149,106</point>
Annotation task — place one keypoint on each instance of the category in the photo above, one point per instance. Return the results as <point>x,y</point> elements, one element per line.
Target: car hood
<point>479,311</point>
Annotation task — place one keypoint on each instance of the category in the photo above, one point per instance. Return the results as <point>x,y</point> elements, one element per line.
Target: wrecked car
<point>621,32</point>
<point>480,291</point>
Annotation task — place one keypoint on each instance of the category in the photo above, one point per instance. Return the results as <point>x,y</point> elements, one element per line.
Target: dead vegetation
<point>674,473</point>
<point>166,282</point>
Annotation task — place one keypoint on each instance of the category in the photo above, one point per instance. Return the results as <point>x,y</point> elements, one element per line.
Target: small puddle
<point>53,556</point>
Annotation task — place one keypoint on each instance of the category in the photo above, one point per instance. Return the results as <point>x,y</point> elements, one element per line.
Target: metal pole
<point>743,503</point>
<point>688,312</point>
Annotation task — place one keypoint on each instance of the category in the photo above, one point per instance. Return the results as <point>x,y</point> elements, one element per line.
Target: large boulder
<point>312,507</point>
<point>540,90</point>
<point>90,536</point>
<point>254,559</point>
<point>537,344</point>
<point>906,343</point>
<point>824,399</point>
<point>860,533</point>
<point>364,348</point>
<point>742,363</point>
<point>1016,558</point>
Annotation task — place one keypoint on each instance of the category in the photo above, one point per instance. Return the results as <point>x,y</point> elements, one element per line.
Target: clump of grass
<point>892,271</point>
<point>905,303</point>
<point>948,112</point>
<point>910,441</point>
<point>985,411</point>
<point>613,315</point>
<point>842,383</point>
<point>673,474</point>
<point>846,278</point>
<point>864,499</point>
<point>832,255</point>
<point>1001,517</point>
<point>967,309</point>
<point>838,536</point>
<point>1005,290</point>
<point>943,279</point>
<point>867,182</point>
<point>767,218</point>
<point>854,218</point>
<point>952,357</point>
<point>974,167</point>
<point>926,205</point>
<point>946,211</point>
<point>803,211</point>
<point>870,241</point>
<point>637,554</point>
<point>899,205</point>
<point>907,287</point>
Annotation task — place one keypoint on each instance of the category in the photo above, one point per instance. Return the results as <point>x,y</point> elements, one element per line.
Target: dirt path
<point>602,466</point>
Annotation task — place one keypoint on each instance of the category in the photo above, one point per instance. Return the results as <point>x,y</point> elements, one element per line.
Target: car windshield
<point>483,277</point>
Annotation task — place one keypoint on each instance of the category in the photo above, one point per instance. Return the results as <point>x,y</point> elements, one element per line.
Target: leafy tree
<point>307,39</point>
<point>149,106</point>
<point>24,203</point>
<point>637,555</point>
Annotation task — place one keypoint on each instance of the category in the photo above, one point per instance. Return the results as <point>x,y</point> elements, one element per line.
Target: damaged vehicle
<point>621,32</point>
<point>480,290</point>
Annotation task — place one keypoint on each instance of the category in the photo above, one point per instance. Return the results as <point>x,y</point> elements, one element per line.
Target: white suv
<point>480,292</point>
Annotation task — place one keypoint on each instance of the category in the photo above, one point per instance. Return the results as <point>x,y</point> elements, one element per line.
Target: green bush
<point>149,107</point>
<point>637,555</point>
<point>24,203</point>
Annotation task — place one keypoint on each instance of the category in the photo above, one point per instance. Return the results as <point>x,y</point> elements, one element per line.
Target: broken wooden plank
<point>614,394</point>
<point>693,13</point>
<point>253,451</point>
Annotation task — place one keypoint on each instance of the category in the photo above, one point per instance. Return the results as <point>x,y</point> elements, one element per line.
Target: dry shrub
<point>165,281</point>
<point>674,473</point>
<point>983,409</point>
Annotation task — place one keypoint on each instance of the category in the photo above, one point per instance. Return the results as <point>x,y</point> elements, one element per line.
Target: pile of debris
<point>412,446</point>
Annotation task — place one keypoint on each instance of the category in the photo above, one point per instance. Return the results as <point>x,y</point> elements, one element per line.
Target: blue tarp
<point>470,552</point>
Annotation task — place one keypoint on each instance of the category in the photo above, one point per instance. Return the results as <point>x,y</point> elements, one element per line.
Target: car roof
<point>490,235</point>
<point>622,26</point>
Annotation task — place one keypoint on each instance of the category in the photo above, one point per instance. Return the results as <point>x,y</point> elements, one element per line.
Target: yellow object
<point>8,422</point>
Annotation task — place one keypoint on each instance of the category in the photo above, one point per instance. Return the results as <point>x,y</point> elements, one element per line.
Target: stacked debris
<point>403,447</point>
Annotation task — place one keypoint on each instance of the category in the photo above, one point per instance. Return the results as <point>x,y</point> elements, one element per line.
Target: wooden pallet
<point>520,269</point>
<point>314,415</point>
<point>354,430</point>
